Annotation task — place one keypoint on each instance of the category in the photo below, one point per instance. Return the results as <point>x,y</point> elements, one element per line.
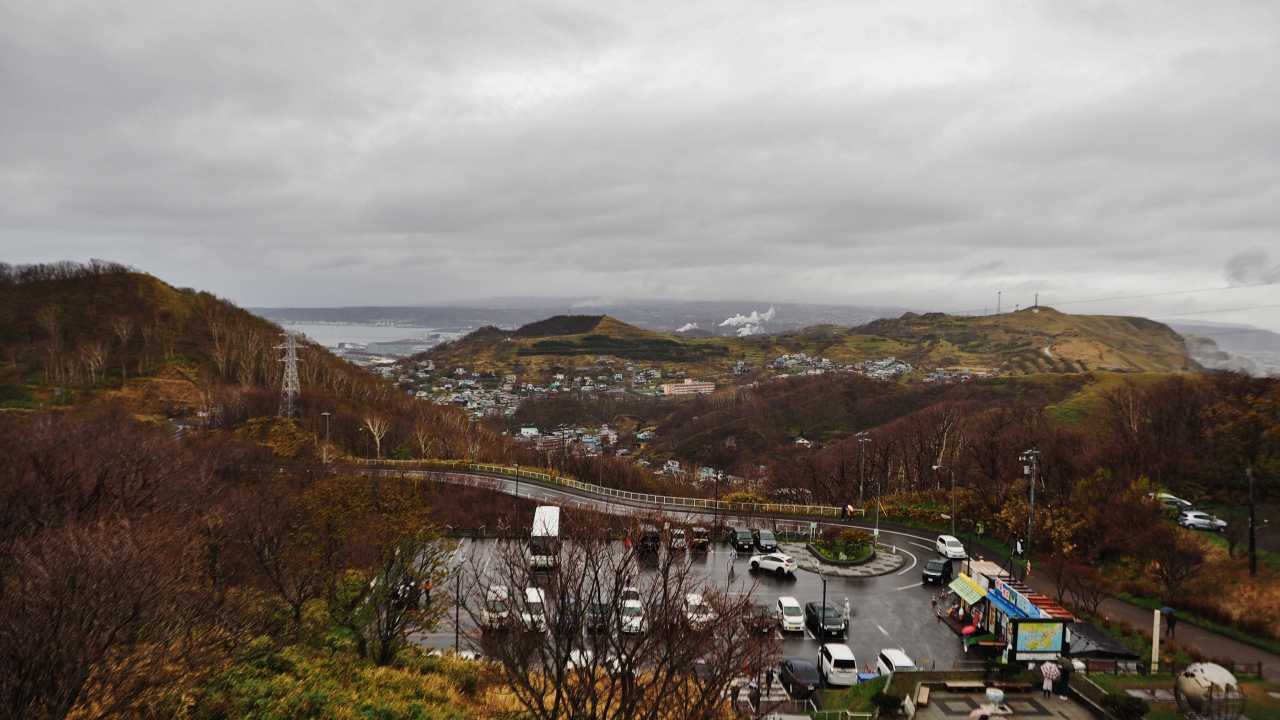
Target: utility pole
<point>952,472</point>
<point>1031,468</point>
<point>457,610</point>
<point>998,300</point>
<point>863,438</point>
<point>1253,526</point>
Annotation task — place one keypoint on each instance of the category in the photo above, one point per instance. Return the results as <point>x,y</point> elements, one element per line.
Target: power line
<point>1223,310</point>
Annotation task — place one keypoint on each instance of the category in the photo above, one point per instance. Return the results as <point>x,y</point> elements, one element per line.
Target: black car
<point>766,541</point>
<point>937,570</point>
<point>568,618</point>
<point>598,616</point>
<point>799,677</point>
<point>830,622</point>
<point>650,539</point>
<point>743,540</point>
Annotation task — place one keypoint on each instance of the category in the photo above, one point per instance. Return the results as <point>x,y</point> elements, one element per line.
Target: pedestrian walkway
<point>883,563</point>
<point>772,699</point>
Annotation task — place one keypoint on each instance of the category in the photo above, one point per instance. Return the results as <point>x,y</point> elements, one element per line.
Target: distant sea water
<point>330,334</point>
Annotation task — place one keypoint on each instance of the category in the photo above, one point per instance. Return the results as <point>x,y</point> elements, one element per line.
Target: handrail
<point>664,501</point>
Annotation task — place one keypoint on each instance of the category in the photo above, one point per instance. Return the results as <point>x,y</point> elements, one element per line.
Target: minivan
<point>742,539</point>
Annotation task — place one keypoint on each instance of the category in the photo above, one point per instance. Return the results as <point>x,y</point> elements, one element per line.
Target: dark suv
<point>824,620</point>
<point>766,541</point>
<point>743,540</point>
<point>598,616</point>
<point>937,570</point>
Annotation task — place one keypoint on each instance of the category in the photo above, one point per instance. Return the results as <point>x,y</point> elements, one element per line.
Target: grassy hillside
<point>1038,340</point>
<point>1031,341</point>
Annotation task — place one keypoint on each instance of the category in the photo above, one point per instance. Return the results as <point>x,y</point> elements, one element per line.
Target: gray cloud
<point>1252,267</point>
<point>914,153</point>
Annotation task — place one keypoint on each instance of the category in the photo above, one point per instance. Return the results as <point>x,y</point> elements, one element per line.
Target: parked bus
<point>544,539</point>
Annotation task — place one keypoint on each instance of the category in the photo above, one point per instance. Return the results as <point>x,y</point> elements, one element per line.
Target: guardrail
<point>817,714</point>
<point>658,501</point>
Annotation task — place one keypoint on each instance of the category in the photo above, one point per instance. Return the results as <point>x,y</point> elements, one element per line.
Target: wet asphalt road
<point>888,611</point>
<point>891,610</point>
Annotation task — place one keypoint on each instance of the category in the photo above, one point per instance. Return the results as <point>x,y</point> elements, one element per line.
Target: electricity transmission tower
<point>290,387</point>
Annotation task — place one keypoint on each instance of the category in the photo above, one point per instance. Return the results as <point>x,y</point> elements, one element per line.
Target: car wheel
<point>755,565</point>
<point>781,571</point>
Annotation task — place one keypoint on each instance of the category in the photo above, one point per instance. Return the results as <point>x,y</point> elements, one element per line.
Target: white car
<point>679,541</point>
<point>630,593</point>
<point>1200,520</point>
<point>1171,501</point>
<point>790,616</point>
<point>774,562</point>
<point>893,660</point>
<point>838,665</point>
<point>534,615</point>
<point>632,615</point>
<point>697,611</point>
<point>949,547</point>
<point>497,607</point>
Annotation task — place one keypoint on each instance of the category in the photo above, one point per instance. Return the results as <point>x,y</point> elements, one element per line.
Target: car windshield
<point>631,611</point>
<point>535,608</point>
<point>831,613</point>
<point>845,664</point>
<point>953,543</point>
<point>791,611</point>
<point>936,564</point>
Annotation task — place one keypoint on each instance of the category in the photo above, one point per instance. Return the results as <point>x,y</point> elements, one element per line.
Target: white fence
<point>665,502</point>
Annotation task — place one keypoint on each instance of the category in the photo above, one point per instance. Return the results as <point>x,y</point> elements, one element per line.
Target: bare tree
<point>1176,559</point>
<point>93,354</point>
<point>1089,587</point>
<point>400,598</point>
<point>378,427</point>
<point>423,435</point>
<point>122,326</point>
<point>578,654</point>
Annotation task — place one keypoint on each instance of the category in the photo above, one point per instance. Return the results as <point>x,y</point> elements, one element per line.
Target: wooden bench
<point>965,685</point>
<point>922,696</point>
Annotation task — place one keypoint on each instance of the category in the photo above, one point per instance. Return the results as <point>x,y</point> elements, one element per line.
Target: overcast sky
<point>898,152</point>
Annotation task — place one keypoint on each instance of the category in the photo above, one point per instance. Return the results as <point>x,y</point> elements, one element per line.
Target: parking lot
<point>891,610</point>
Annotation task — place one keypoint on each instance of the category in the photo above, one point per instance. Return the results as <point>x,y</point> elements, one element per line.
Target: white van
<point>534,614</point>
<point>838,665</point>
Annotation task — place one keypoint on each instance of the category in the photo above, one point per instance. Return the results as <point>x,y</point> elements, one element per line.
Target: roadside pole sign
<point>813,531</point>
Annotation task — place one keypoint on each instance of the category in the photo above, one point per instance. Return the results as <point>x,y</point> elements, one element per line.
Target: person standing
<point>768,681</point>
<point>1170,624</point>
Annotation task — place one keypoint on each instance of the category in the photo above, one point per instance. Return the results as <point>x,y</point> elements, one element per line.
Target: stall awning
<point>1004,607</point>
<point>968,590</point>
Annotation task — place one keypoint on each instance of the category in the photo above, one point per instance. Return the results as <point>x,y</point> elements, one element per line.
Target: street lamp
<point>822,617</point>
<point>1031,468</point>
<point>952,472</point>
<point>876,535</point>
<point>864,437</point>
<point>324,453</point>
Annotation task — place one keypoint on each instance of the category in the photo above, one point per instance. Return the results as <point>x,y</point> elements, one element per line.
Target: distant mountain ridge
<point>1033,340</point>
